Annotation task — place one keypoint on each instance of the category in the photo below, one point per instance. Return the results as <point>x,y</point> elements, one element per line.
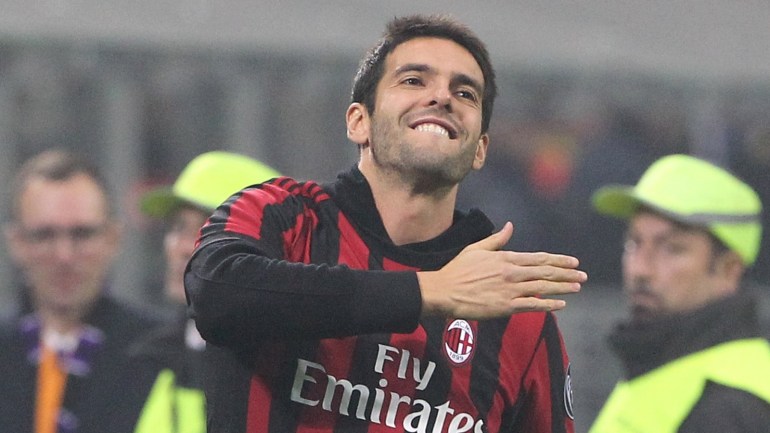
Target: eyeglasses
<point>79,235</point>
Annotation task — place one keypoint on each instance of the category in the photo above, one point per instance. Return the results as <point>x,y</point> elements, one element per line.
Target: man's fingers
<point>495,241</point>
<point>545,273</point>
<point>545,288</point>
<point>540,259</point>
<point>525,305</point>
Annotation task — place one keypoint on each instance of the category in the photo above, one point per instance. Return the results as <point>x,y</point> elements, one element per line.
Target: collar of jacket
<point>642,347</point>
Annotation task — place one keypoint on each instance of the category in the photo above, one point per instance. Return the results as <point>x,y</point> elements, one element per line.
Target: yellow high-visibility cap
<point>207,181</point>
<point>694,192</point>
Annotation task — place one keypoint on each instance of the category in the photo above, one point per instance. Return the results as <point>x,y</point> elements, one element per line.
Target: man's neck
<point>408,216</point>
<point>60,321</point>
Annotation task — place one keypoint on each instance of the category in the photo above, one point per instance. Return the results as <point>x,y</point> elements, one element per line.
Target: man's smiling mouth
<point>432,128</point>
<point>436,126</point>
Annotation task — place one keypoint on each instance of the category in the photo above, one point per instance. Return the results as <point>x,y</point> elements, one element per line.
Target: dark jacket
<point>106,399</point>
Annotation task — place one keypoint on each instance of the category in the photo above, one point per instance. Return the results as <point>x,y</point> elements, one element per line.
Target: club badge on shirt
<point>459,342</point>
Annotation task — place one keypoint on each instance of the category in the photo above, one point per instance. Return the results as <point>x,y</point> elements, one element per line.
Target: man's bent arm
<point>239,296</point>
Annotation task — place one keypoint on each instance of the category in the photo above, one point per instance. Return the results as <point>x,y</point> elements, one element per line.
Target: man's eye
<point>40,235</point>
<point>84,233</point>
<point>465,94</point>
<point>412,81</point>
<point>673,248</point>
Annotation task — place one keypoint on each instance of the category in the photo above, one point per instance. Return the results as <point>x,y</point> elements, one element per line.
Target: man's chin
<point>642,314</point>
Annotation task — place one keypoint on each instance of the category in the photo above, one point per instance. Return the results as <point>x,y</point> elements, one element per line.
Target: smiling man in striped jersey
<point>371,304</point>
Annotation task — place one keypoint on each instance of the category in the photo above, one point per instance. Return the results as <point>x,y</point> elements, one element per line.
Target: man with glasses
<point>64,358</point>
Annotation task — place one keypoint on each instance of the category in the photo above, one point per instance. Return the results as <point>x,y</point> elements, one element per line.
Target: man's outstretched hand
<point>484,282</point>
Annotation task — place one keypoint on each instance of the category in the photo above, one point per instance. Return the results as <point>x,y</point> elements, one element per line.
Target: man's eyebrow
<point>457,79</point>
<point>412,67</point>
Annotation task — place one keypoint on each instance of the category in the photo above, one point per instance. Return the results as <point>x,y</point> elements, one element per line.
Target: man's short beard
<point>400,159</point>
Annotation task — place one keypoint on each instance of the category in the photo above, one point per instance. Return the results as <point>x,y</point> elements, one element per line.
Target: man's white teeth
<point>432,128</point>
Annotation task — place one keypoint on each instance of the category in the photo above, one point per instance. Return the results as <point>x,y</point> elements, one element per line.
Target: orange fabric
<point>51,379</point>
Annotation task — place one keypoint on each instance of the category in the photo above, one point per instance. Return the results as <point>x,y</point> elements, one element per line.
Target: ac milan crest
<point>459,342</point>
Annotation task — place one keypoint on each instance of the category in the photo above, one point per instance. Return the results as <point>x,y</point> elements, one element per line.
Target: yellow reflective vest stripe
<point>172,409</point>
<point>659,401</point>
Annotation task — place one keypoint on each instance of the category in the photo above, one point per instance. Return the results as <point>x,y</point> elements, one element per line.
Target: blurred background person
<point>176,403</point>
<point>693,353</point>
<point>64,354</point>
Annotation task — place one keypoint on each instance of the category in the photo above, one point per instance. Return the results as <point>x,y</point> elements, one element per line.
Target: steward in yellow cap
<point>692,350</point>
<point>176,403</point>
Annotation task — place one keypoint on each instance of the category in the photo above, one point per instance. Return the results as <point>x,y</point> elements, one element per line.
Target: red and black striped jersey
<point>313,320</point>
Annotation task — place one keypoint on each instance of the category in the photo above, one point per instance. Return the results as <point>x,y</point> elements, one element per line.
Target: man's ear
<point>481,151</point>
<point>358,124</point>
<point>14,243</point>
<point>729,267</point>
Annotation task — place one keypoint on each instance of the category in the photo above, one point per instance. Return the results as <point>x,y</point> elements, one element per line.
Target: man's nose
<point>182,242</point>
<point>637,264</point>
<point>64,247</point>
<point>441,96</point>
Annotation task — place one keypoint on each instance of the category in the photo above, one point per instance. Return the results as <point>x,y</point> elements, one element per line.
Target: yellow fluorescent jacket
<point>172,409</point>
<point>659,401</point>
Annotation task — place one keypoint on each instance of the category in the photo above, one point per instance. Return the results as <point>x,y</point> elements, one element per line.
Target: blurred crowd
<point>546,165</point>
<point>556,135</point>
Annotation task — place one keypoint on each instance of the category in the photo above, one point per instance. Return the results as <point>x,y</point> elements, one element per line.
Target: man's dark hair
<point>55,165</point>
<point>403,29</point>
